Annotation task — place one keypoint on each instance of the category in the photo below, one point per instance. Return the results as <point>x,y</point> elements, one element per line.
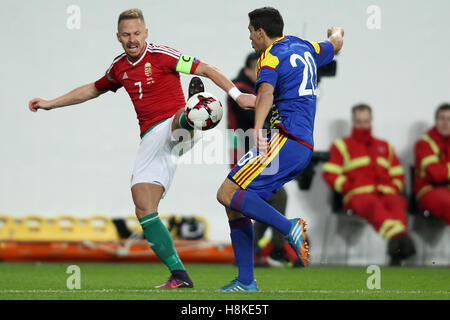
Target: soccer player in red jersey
<point>150,75</point>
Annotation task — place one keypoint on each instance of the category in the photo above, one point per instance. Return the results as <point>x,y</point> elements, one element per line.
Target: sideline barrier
<point>96,239</point>
<point>180,227</point>
<point>119,251</point>
<point>62,228</point>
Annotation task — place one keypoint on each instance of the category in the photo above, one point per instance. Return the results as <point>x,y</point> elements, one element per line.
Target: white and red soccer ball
<point>203,111</point>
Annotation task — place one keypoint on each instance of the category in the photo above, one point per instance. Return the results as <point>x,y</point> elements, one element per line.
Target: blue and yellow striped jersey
<point>290,66</point>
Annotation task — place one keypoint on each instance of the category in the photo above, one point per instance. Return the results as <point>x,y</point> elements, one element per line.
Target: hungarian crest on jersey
<point>148,69</point>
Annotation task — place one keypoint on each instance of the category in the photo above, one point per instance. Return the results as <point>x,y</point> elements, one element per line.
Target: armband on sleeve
<point>186,64</point>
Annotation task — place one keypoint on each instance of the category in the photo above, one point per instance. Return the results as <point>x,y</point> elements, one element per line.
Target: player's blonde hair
<point>131,14</point>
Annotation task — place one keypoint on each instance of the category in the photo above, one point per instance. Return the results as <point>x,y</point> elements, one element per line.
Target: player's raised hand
<point>38,103</point>
<point>334,30</point>
<point>336,37</point>
<point>246,101</point>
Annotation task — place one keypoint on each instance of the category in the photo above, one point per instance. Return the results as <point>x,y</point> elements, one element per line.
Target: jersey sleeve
<point>176,61</point>
<point>187,64</point>
<point>323,52</point>
<point>267,69</point>
<point>108,82</point>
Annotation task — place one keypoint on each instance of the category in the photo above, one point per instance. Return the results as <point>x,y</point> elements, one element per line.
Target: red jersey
<point>152,82</point>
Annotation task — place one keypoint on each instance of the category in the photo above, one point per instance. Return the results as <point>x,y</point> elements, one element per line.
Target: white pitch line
<point>419,292</point>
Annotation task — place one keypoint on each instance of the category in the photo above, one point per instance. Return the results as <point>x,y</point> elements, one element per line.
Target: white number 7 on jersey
<point>308,69</point>
<point>140,89</point>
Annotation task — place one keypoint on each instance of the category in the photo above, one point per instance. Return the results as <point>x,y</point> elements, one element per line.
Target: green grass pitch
<point>136,281</point>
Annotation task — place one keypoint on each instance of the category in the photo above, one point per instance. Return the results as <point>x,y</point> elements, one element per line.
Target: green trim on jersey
<point>184,64</point>
<point>150,129</point>
<point>109,78</point>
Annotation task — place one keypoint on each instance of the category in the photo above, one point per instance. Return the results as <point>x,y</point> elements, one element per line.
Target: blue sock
<point>253,206</point>
<point>242,238</point>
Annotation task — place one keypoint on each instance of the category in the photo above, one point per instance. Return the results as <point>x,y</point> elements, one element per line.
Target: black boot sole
<point>195,86</point>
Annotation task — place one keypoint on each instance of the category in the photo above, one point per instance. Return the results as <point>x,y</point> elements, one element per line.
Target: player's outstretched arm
<point>336,37</point>
<point>244,100</point>
<point>264,102</point>
<point>78,95</point>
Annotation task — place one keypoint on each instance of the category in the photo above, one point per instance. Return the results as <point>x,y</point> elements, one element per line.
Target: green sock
<point>161,241</point>
<point>182,121</point>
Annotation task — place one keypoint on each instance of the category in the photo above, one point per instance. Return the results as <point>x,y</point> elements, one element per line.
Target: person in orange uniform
<point>432,167</point>
<point>368,174</point>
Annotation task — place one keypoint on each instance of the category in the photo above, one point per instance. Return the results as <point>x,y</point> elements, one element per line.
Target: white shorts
<point>155,161</point>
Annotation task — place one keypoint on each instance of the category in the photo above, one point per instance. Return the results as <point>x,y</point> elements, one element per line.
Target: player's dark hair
<point>361,107</point>
<point>442,107</point>
<point>269,19</point>
<point>250,59</point>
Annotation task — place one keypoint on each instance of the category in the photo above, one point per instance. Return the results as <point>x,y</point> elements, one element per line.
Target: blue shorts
<point>286,159</point>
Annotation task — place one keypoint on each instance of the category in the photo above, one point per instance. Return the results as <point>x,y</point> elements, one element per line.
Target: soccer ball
<point>203,111</point>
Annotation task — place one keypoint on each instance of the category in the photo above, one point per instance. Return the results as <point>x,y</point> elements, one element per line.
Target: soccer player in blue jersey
<point>286,87</point>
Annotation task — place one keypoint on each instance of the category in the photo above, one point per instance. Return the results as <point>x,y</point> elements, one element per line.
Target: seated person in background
<point>432,167</point>
<point>366,171</point>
